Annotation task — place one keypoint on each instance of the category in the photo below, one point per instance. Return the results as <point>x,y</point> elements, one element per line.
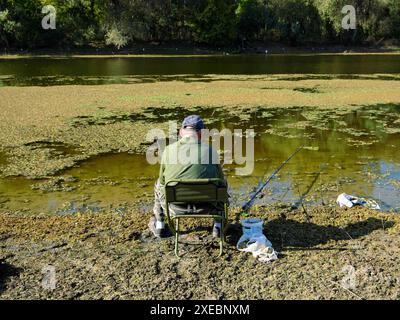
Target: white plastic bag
<point>350,201</point>
<point>345,200</point>
<point>253,240</point>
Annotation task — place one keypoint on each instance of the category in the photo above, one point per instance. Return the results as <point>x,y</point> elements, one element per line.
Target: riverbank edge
<point>148,51</point>
<point>111,256</point>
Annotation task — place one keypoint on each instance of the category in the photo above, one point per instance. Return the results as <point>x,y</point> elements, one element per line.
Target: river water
<point>89,70</point>
<point>350,152</point>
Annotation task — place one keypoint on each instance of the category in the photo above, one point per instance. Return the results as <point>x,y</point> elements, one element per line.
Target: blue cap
<point>193,121</point>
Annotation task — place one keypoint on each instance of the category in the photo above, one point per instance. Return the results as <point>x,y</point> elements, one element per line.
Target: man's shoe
<point>152,227</point>
<point>157,232</point>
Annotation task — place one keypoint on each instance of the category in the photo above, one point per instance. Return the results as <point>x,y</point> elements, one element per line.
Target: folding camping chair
<point>196,191</point>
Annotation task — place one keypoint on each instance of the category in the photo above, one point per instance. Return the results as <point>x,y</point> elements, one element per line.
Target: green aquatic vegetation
<point>127,98</point>
<point>285,134</point>
<point>392,130</point>
<point>307,90</point>
<point>90,106</point>
<point>272,88</point>
<point>3,157</point>
<point>353,132</point>
<point>36,162</point>
<point>315,115</point>
<point>360,143</point>
<point>299,125</point>
<point>101,181</point>
<point>321,127</point>
<point>56,184</point>
<point>341,123</point>
<point>55,147</point>
<point>388,77</point>
<point>311,116</point>
<point>267,114</point>
<point>104,117</point>
<point>311,148</point>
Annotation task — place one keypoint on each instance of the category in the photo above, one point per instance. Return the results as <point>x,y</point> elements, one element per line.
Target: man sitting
<point>188,158</point>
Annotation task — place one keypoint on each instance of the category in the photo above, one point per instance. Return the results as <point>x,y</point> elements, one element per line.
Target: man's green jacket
<point>188,158</point>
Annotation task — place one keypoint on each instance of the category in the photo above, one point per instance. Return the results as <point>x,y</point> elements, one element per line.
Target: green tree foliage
<point>251,18</point>
<point>394,14</point>
<point>7,27</point>
<point>77,22</point>
<point>144,20</point>
<point>376,19</point>
<point>119,23</point>
<point>296,21</point>
<point>23,16</point>
<point>211,21</point>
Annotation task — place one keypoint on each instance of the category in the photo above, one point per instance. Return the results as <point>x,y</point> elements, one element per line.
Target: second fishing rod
<point>248,204</point>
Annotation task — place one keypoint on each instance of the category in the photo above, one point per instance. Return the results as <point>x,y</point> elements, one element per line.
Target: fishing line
<point>250,202</point>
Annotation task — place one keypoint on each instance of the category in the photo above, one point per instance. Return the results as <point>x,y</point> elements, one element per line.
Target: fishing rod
<point>249,203</point>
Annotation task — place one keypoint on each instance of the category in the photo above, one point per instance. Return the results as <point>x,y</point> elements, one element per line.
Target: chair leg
<point>177,237</point>
<point>225,221</point>
<point>221,240</point>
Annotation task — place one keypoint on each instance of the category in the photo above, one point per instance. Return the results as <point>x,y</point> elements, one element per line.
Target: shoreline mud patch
<point>112,256</point>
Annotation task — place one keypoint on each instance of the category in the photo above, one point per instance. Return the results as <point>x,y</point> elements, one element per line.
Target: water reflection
<point>70,70</point>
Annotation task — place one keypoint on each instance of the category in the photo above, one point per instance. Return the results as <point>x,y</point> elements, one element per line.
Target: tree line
<point>121,23</point>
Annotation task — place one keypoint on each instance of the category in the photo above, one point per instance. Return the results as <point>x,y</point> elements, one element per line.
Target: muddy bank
<point>112,256</point>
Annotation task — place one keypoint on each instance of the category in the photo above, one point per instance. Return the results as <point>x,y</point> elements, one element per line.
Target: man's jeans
<point>175,209</point>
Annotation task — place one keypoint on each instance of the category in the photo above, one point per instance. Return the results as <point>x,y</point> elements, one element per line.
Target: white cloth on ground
<point>346,200</point>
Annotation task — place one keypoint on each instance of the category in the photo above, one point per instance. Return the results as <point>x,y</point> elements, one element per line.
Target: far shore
<point>146,50</point>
